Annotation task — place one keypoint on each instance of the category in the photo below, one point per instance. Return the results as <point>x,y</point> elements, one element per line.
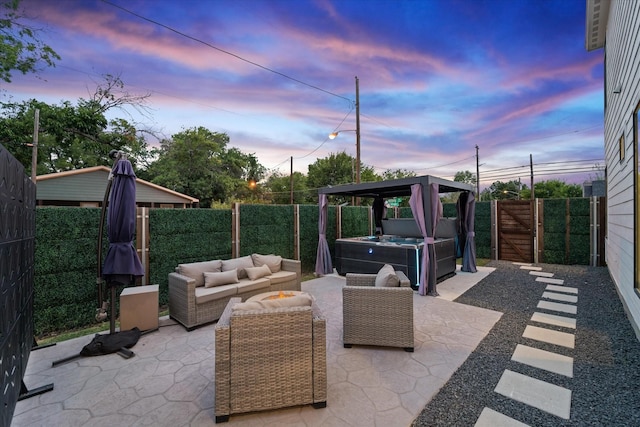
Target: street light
<point>333,135</point>
<point>511,192</point>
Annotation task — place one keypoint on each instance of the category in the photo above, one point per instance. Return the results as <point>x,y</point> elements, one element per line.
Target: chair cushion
<point>282,276</point>
<point>386,277</point>
<point>273,261</point>
<point>247,285</point>
<point>220,278</point>
<point>301,300</point>
<point>195,270</point>
<point>239,263</point>
<point>209,294</point>
<point>257,272</point>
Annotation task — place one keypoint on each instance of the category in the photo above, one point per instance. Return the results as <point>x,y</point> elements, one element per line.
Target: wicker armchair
<point>268,359</point>
<point>377,315</point>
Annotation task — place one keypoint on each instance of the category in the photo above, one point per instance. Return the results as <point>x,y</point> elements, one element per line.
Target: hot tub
<point>369,253</point>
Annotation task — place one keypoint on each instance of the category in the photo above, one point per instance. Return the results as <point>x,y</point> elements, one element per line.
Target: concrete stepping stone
<point>550,280</point>
<point>557,306</point>
<point>530,267</point>
<point>542,359</point>
<point>560,297</point>
<point>533,392</point>
<point>541,273</point>
<point>550,336</point>
<point>567,289</point>
<point>552,319</point>
<point>490,418</point>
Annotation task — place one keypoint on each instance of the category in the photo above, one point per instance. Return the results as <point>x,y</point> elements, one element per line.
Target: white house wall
<point>622,58</point>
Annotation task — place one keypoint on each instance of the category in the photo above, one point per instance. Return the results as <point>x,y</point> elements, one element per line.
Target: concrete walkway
<point>169,381</point>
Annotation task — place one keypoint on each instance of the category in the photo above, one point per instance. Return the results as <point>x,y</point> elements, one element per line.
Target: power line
<point>226,51</point>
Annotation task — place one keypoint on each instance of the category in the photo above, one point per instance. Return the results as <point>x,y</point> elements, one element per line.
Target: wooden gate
<point>515,230</point>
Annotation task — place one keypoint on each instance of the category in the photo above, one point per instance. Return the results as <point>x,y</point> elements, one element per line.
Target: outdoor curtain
<point>466,208</point>
<point>427,284</point>
<point>379,212</point>
<point>323,257</point>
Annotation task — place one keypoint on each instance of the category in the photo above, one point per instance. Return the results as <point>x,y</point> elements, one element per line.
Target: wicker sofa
<point>377,315</point>
<point>200,291</point>
<point>269,358</point>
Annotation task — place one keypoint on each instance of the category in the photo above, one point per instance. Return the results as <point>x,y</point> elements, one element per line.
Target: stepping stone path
<point>558,307</point>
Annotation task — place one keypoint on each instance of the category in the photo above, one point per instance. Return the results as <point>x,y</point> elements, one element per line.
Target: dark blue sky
<point>436,77</point>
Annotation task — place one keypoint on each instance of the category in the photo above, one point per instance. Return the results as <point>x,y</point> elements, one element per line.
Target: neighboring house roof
<point>596,25</point>
<point>90,184</point>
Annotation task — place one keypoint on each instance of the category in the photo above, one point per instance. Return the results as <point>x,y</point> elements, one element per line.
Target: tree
<point>466,177</point>
<point>20,48</point>
<point>553,189</point>
<point>337,169</point>
<point>278,187</point>
<point>503,191</point>
<point>397,174</point>
<point>74,136</point>
<point>197,162</point>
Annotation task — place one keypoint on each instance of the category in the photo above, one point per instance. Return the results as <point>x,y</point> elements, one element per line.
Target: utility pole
<point>291,182</point>
<point>533,190</point>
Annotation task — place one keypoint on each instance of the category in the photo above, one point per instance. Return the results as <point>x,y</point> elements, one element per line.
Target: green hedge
<point>66,246</point>
<point>556,250</point>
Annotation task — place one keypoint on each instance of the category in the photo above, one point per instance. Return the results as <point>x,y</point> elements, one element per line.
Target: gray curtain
<point>417,209</point>
<point>323,257</point>
<point>469,252</point>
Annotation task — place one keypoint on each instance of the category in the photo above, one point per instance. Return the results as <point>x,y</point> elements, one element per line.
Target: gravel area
<point>606,378</point>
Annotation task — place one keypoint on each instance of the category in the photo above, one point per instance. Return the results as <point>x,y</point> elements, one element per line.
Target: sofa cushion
<point>247,285</point>
<point>282,276</point>
<point>273,261</point>
<point>386,277</point>
<point>220,278</point>
<point>209,294</point>
<point>257,272</point>
<point>196,270</point>
<point>301,300</point>
<point>239,263</point>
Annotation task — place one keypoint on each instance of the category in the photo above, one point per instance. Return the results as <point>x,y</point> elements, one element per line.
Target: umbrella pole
<point>101,311</point>
<point>112,320</point>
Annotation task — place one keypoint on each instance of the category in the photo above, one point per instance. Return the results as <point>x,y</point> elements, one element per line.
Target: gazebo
<point>426,207</point>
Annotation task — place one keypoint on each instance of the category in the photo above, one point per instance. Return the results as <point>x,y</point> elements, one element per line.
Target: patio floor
<point>169,381</point>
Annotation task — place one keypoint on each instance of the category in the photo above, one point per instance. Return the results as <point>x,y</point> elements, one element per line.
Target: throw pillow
<point>273,261</point>
<point>301,300</point>
<point>239,263</point>
<point>258,272</point>
<point>386,277</point>
<point>195,270</point>
<point>220,278</point>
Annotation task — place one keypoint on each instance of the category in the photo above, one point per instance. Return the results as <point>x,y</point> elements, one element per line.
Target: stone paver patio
<point>169,381</point>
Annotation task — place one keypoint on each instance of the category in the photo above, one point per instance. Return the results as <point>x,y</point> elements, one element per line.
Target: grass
<point>95,329</point>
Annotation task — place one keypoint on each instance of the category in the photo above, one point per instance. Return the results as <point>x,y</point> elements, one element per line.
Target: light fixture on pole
<point>333,135</point>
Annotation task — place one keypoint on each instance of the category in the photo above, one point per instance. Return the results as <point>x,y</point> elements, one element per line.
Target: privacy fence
<point>66,240</point>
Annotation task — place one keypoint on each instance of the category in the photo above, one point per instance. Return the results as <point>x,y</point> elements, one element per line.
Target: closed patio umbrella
<point>121,263</point>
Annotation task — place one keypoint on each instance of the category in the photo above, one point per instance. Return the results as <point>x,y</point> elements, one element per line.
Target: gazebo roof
<point>395,188</point>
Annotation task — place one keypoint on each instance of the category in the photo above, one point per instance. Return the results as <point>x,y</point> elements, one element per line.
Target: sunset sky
<point>436,78</point>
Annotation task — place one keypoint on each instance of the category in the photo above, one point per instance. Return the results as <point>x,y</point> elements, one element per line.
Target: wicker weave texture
<point>375,315</point>
<point>268,359</point>
<point>182,300</point>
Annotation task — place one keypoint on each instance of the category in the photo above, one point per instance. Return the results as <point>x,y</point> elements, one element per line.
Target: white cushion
<point>239,263</point>
<point>386,277</point>
<point>220,278</point>
<point>257,272</point>
<point>195,270</point>
<point>273,261</point>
